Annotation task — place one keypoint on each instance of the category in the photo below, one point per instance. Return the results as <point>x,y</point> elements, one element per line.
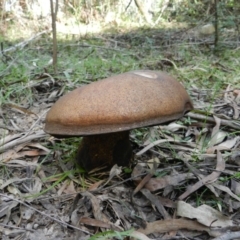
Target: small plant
<point>112,234</point>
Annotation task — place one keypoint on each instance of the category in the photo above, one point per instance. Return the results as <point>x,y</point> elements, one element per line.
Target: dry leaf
<point>95,185</point>
<point>153,161</point>
<point>217,138</point>
<point>204,214</point>
<point>155,201</point>
<point>138,235</point>
<point>70,189</point>
<point>61,189</point>
<point>33,189</point>
<point>12,180</point>
<point>115,171</point>
<point>173,127</point>
<point>5,207</point>
<point>236,92</point>
<point>235,186</point>
<point>175,180</point>
<point>8,155</point>
<point>217,135</point>
<point>97,211</point>
<point>227,145</point>
<point>228,236</point>
<point>163,226</point>
<point>94,222</point>
<point>26,138</point>
<point>23,163</point>
<point>226,189</point>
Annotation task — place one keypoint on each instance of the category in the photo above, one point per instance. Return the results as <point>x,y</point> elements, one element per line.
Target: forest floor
<point>184,180</point>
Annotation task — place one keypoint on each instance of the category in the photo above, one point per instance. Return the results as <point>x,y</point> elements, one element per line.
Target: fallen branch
<point>229,123</point>
<point>24,43</point>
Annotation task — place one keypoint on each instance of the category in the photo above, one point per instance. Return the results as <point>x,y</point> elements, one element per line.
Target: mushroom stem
<point>104,150</point>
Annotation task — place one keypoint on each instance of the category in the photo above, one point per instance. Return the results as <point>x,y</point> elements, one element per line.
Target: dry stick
<point>142,9</point>
<point>54,32</point>
<point>229,123</point>
<point>164,6</point>
<point>20,45</point>
<point>216,24</point>
<point>24,43</point>
<point>151,145</point>
<point>44,214</point>
<point>128,5</point>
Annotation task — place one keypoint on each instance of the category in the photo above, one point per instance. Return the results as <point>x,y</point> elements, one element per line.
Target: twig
<point>160,141</point>
<point>142,9</point>
<point>128,5</point>
<point>229,123</point>
<point>54,32</point>
<point>216,24</point>
<point>5,58</point>
<point>151,145</point>
<point>24,43</point>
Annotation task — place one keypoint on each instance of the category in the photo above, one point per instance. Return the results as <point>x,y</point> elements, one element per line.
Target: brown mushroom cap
<point>118,103</point>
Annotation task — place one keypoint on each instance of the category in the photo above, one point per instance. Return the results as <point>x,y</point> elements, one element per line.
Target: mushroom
<point>104,112</point>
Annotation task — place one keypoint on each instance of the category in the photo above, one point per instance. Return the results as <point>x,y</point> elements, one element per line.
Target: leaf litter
<point>184,180</point>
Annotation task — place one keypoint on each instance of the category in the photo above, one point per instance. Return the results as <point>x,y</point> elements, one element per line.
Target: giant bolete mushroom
<point>104,112</point>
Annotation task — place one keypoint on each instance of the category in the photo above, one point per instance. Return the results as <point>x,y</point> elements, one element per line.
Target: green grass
<point>111,234</point>
<point>80,65</point>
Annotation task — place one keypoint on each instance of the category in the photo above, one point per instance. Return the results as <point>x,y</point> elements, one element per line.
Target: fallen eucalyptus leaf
<point>204,214</point>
